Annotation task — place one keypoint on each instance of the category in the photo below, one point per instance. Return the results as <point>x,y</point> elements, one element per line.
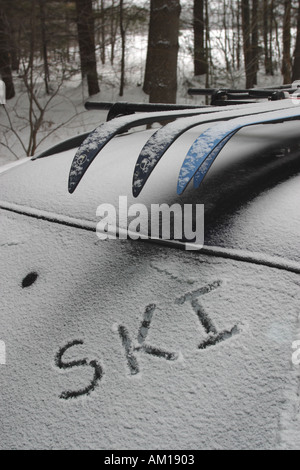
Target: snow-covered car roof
<point>122,344</point>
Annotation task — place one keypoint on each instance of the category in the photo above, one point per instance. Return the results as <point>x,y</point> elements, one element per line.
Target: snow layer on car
<point>114,345</point>
<point>250,195</point>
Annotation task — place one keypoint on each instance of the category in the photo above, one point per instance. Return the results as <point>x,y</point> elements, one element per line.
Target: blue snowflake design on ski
<point>208,145</point>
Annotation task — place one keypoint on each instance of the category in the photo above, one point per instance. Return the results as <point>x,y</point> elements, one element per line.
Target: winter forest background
<point>55,54</point>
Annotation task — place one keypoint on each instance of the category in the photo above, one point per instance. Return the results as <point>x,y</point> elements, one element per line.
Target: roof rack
<point>228,96</point>
<point>219,97</point>
<point>123,108</point>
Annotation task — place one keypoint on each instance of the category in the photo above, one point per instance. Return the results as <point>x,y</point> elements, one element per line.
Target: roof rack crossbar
<point>121,108</point>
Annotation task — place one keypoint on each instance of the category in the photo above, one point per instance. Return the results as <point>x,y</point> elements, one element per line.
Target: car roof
<point>122,344</point>
<point>250,196</point>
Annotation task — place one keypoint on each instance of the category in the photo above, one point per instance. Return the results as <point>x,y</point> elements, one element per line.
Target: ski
<point>163,138</point>
<point>225,96</point>
<point>208,145</point>
<point>100,136</point>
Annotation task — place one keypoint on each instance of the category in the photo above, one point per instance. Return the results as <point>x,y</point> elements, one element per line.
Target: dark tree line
<point>260,28</point>
<point>50,30</point>
<point>161,66</point>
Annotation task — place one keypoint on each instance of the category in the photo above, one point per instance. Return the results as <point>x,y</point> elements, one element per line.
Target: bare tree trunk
<point>225,30</point>
<point>207,42</point>
<point>266,21</point>
<point>86,40</point>
<point>14,51</point>
<point>200,60</point>
<point>296,64</point>
<point>286,67</point>
<point>113,32</point>
<point>122,31</point>
<point>247,42</point>
<point>238,24</point>
<point>161,65</point>
<point>102,32</point>
<point>44,44</point>
<point>272,23</point>
<point>254,41</point>
<point>5,65</point>
<point>232,40</point>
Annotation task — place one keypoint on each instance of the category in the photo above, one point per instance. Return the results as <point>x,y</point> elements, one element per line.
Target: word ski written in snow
<point>140,345</point>
<point>166,222</point>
